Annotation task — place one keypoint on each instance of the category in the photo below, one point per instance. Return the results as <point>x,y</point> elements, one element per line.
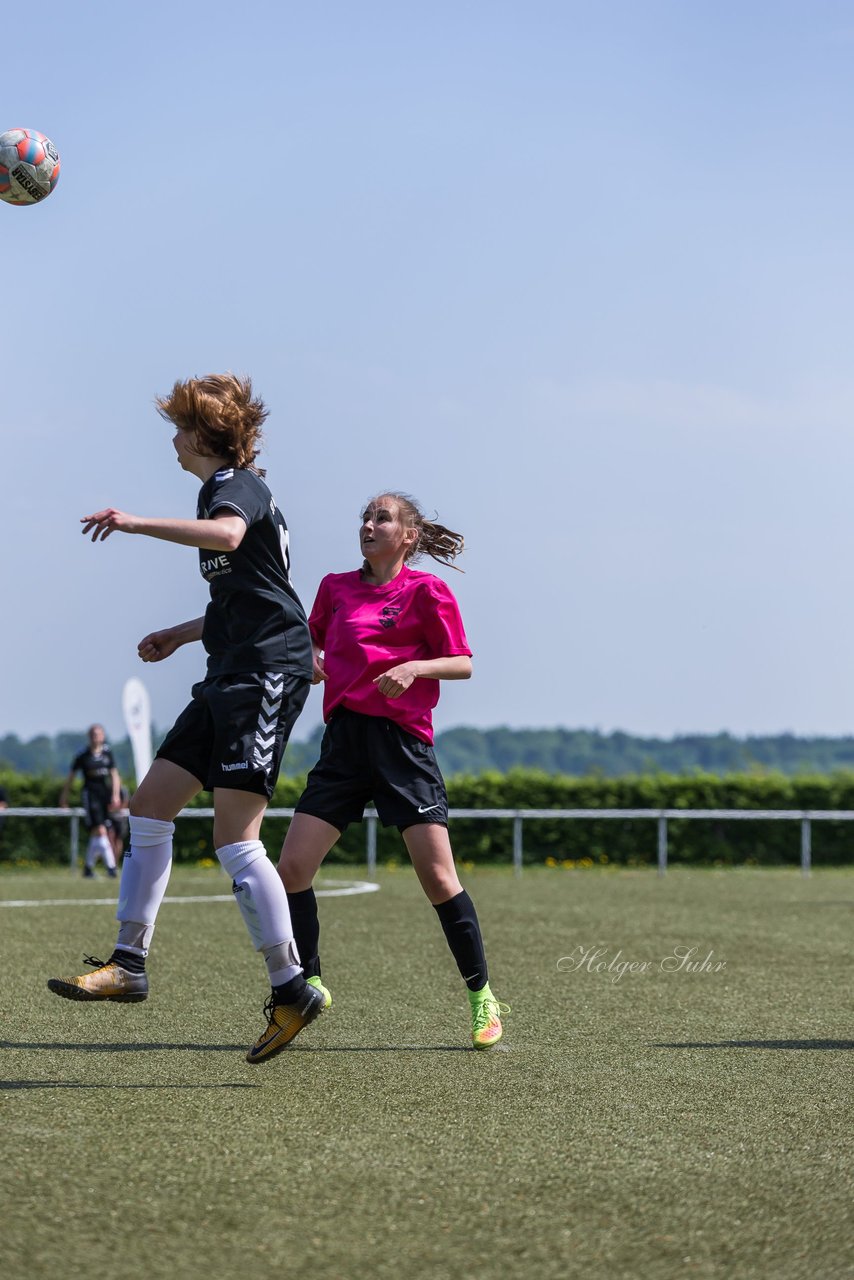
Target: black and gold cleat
<point>284,1021</point>
<point>107,981</point>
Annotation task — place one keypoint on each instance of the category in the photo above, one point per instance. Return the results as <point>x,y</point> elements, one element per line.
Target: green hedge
<point>634,842</point>
<point>491,840</point>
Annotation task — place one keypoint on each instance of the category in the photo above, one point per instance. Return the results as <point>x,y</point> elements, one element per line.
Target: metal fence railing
<point>806,817</point>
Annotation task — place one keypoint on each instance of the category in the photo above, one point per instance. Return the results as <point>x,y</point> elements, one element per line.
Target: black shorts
<point>366,758</point>
<point>234,732</point>
<point>96,808</point>
<point>120,827</point>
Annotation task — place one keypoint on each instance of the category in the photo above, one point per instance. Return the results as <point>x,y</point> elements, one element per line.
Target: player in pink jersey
<point>383,636</point>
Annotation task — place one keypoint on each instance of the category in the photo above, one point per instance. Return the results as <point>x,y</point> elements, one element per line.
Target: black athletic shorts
<point>96,808</point>
<point>119,826</point>
<point>234,732</point>
<point>366,758</point>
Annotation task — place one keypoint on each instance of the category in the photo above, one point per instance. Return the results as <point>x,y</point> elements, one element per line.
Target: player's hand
<point>318,674</point>
<point>159,644</point>
<point>108,521</point>
<point>396,681</point>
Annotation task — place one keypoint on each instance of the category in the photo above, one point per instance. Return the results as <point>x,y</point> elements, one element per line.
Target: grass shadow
<point>71,1084</point>
<point>121,1048</point>
<point>382,1048</point>
<point>235,1048</point>
<point>757,1044</point>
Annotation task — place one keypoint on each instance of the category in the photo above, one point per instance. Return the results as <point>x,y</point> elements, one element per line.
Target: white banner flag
<point>136,706</point>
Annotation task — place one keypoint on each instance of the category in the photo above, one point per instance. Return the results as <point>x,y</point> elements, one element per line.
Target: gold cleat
<point>107,981</point>
<point>284,1021</point>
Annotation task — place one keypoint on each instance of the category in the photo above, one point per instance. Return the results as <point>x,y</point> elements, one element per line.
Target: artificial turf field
<point>657,1124</point>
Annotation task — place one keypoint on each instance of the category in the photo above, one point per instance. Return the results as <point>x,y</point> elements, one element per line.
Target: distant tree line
<point>571,752</point>
<point>587,752</point>
<point>51,756</point>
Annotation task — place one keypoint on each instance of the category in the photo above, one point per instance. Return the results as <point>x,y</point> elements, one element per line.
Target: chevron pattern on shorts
<point>271,705</point>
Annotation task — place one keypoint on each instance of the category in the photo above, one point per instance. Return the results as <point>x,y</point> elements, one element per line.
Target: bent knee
<point>294,876</point>
<point>140,807</point>
<point>441,888</point>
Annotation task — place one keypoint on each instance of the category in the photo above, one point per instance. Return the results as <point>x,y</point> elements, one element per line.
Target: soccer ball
<point>29,166</point>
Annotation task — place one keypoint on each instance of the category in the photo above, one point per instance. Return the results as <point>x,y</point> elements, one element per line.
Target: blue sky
<point>578,276</point>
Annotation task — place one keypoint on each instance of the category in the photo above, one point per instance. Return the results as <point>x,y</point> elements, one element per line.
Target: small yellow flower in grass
<point>551,862</point>
<point>568,864</point>
<point>585,862</point>
<point>206,863</point>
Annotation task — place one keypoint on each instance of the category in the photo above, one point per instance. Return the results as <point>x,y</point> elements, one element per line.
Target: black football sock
<point>289,992</point>
<point>306,928</point>
<point>458,918</point>
<point>131,961</point>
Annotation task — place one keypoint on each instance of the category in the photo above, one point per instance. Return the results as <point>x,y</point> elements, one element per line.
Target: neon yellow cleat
<point>107,981</point>
<point>327,995</point>
<point>486,1028</point>
<point>284,1021</point>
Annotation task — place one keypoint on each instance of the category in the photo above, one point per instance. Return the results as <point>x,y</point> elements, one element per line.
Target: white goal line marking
<point>343,889</point>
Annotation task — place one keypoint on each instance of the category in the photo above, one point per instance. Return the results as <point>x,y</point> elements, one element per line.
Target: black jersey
<point>96,767</point>
<point>255,621</point>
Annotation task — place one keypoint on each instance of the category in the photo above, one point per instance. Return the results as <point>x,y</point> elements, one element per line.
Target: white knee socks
<point>263,904</point>
<point>99,847</point>
<point>145,875</point>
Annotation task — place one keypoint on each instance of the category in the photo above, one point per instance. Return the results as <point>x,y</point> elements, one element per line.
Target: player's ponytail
<point>438,542</point>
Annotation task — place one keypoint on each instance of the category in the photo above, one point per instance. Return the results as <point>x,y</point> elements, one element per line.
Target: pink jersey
<point>365,630</point>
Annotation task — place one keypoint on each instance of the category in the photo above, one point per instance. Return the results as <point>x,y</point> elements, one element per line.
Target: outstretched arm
<point>158,645</point>
<point>396,680</point>
<point>222,533</point>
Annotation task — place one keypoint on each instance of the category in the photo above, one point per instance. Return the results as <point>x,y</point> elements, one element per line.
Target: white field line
<point>343,889</point>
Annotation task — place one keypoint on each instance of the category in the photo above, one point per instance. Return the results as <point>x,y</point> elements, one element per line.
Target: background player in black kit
<point>101,789</point>
<point>231,737</point>
<point>118,829</point>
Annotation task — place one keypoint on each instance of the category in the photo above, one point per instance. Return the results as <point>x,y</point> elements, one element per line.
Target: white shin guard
<point>145,875</point>
<point>263,903</point>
